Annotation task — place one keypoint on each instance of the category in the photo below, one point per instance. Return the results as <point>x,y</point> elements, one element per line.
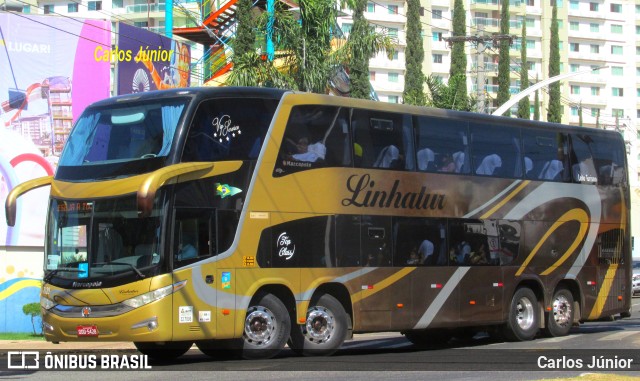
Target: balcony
<point>145,8</point>
<point>587,56</point>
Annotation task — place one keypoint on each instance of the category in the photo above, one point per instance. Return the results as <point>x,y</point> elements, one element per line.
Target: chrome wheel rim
<point>524,314</point>
<point>561,311</point>
<point>319,326</point>
<point>260,326</point>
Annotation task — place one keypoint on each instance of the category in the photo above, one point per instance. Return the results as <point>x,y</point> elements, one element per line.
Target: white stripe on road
<point>618,336</point>
<point>559,339</point>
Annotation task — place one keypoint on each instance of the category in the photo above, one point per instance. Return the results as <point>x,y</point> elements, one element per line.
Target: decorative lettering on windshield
<point>364,194</point>
<point>225,190</point>
<point>224,129</point>
<point>64,206</point>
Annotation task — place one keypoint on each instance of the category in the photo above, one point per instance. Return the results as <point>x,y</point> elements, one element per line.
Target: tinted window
<point>307,242</point>
<point>316,136</point>
<point>419,241</point>
<point>381,139</point>
<point>544,155</point>
<point>496,150</point>
<point>225,129</point>
<point>582,166</point>
<point>440,142</point>
<point>608,158</point>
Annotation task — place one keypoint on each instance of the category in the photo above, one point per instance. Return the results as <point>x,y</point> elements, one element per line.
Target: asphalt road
<point>603,347</point>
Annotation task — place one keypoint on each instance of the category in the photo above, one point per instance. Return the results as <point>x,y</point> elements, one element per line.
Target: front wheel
<point>266,328</point>
<point>164,351</point>
<point>522,323</point>
<point>560,318</point>
<point>324,331</point>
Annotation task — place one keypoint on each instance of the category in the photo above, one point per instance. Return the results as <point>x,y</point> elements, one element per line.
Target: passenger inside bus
<point>425,252</point>
<point>447,164</point>
<point>307,152</point>
<point>186,250</point>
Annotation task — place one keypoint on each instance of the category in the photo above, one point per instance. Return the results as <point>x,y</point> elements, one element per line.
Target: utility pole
<point>480,42</point>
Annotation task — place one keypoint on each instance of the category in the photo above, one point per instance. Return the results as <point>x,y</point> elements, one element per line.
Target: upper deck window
<point>228,129</point>
<point>316,136</point>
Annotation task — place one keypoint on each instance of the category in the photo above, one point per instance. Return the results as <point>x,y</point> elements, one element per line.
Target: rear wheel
<point>164,351</point>
<point>324,331</point>
<point>266,328</point>
<point>522,323</point>
<point>560,318</point>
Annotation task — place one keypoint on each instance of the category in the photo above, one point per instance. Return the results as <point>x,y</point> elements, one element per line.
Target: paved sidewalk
<point>45,345</point>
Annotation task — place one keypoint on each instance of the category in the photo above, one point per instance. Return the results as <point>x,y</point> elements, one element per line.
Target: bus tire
<point>522,322</point>
<point>163,351</point>
<point>560,318</point>
<point>267,327</point>
<point>324,331</point>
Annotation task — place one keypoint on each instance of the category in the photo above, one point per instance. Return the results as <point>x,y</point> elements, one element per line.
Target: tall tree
<point>536,107</point>
<point>360,53</point>
<point>318,19</point>
<point>245,39</point>
<point>414,56</point>
<point>554,112</point>
<point>524,106</point>
<point>504,75</point>
<point>458,68</point>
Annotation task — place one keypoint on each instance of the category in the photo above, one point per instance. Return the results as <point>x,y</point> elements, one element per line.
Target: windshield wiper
<point>50,275</point>
<point>135,269</point>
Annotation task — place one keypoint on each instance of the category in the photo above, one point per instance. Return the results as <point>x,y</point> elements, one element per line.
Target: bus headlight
<point>46,303</point>
<point>154,295</point>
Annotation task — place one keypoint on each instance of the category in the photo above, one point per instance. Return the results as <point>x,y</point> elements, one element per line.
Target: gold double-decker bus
<point>244,219</point>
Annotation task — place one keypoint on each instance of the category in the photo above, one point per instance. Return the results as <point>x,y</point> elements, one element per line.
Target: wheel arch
<point>578,300</point>
<point>340,292</point>
<point>281,292</point>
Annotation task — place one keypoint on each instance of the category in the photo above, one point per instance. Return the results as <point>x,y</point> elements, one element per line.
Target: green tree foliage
<point>245,38</point>
<point>536,104</point>
<point>458,69</point>
<point>32,310</point>
<point>504,77</point>
<point>304,57</point>
<point>554,112</point>
<point>449,96</point>
<point>360,53</point>
<point>524,105</point>
<point>414,78</point>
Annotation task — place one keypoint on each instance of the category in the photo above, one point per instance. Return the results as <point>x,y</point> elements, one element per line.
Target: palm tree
<point>305,58</point>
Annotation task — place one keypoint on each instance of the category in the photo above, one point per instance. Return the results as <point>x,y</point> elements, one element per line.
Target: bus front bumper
<point>147,323</point>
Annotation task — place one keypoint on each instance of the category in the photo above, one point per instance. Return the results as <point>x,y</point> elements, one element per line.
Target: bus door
<point>381,291</point>
<point>481,289</point>
<point>194,239</point>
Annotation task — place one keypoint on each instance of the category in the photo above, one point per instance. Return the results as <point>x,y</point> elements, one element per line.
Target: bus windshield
<point>91,241</point>
<point>117,134</point>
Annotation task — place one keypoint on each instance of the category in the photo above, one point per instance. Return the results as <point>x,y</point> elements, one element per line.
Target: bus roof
<point>196,92</point>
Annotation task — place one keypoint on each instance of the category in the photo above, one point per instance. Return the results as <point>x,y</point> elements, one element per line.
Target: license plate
<point>87,330</point>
